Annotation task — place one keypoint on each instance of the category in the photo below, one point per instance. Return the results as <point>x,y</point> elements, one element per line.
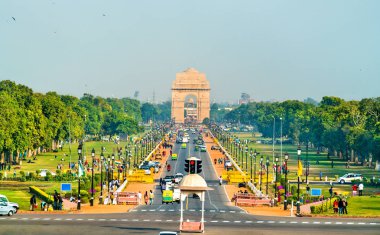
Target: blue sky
<point>272,50</point>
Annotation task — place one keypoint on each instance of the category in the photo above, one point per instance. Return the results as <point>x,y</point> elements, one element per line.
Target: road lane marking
<point>46,219</point>
<point>260,222</point>
<point>135,220</point>
<point>282,222</point>
<point>294,222</point>
<point>327,222</point>
<point>361,223</point>
<point>90,219</point>
<point>212,210</point>
<point>350,223</point>
<point>169,220</point>
<point>146,220</point>
<point>305,222</point>
<point>162,210</point>
<point>316,222</point>
<point>270,222</point>
<point>171,210</point>
<point>13,218</point>
<point>237,221</point>
<point>124,220</point>
<point>214,221</point>
<point>225,221</point>
<point>134,210</point>
<point>112,219</point>
<point>25,219</point>
<point>143,210</point>
<point>58,219</point>
<point>158,220</point>
<point>338,223</point>
<point>372,223</point>
<point>232,211</point>
<point>248,222</point>
<point>79,219</point>
<point>152,210</point>
<point>191,210</point>
<point>101,219</point>
<point>223,211</point>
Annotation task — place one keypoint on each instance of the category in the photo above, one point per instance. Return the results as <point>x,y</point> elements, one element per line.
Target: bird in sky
<point>104,14</point>
<point>13,18</point>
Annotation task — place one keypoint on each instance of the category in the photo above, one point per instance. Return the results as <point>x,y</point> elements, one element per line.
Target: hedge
<point>40,194</point>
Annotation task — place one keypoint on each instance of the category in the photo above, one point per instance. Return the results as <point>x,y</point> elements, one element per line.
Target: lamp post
<point>275,182</point>
<point>109,177</point>
<point>298,181</point>
<point>101,177</point>
<point>134,157</point>
<point>307,161</point>
<point>79,162</point>
<point>267,164</point>
<point>92,177</point>
<point>286,181</point>
<point>251,156</point>
<point>246,158</point>
<point>254,172</point>
<point>112,167</point>
<point>261,171</point>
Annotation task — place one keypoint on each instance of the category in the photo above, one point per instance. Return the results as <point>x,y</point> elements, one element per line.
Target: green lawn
<point>360,206</point>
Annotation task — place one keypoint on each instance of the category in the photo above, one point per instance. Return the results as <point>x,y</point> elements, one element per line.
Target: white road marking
<point>212,210</point>
<point>270,222</point>
<point>112,219</point>
<point>327,222</point>
<point>79,219</point>
<point>372,223</point>
<point>316,222</point>
<point>13,218</point>
<point>361,223</point>
<point>282,222</point>
<point>101,219</point>
<point>90,219</point>
<point>260,222</point>
<point>305,222</point>
<point>350,223</point>
<point>135,220</point>
<point>191,210</point>
<point>225,221</point>
<point>47,219</point>
<point>237,221</point>
<point>248,222</point>
<point>232,211</point>
<point>162,210</point>
<point>146,220</point>
<point>36,218</point>
<point>158,220</point>
<point>171,210</point>
<point>214,221</point>
<point>338,223</point>
<point>169,220</point>
<point>152,210</point>
<point>124,220</point>
<point>222,211</point>
<point>25,218</point>
<point>294,222</point>
<point>143,210</point>
<point>134,210</point>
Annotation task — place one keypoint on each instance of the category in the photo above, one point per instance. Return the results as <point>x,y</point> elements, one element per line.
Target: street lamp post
<point>267,164</point>
<point>307,161</point>
<point>298,181</point>
<point>275,182</point>
<point>251,156</point>
<point>286,181</point>
<point>101,177</point>
<point>79,162</point>
<point>92,177</point>
<point>261,171</point>
<point>246,158</point>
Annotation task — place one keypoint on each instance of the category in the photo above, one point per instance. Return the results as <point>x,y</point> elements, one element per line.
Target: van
<point>3,198</point>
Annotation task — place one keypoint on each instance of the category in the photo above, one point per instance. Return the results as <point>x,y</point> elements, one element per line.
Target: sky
<point>272,50</point>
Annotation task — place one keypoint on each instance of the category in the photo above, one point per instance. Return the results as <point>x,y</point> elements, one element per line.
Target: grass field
<point>365,206</point>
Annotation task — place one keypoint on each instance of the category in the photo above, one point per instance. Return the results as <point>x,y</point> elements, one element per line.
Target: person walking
<point>151,197</point>
<point>354,190</point>
<point>220,180</point>
<point>331,191</point>
<point>139,197</point>
<point>33,202</point>
<point>146,198</point>
<point>345,204</point>
<point>335,206</point>
<point>340,206</point>
<point>55,202</point>
<point>60,202</point>
<point>361,187</point>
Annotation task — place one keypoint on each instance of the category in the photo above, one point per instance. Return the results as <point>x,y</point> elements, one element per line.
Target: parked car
<point>6,209</point>
<point>3,198</point>
<point>45,171</point>
<point>349,177</point>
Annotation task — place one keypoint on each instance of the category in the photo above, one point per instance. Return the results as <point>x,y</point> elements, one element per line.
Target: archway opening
<point>191,109</point>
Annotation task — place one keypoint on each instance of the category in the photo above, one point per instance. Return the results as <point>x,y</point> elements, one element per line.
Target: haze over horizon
<point>272,50</point>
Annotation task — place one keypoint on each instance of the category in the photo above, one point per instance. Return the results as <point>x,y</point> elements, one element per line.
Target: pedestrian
<point>354,190</point>
<point>307,189</point>
<point>340,206</point>
<point>332,163</point>
<point>345,204</point>
<point>146,198</point>
<point>220,180</point>
<point>331,191</point>
<point>55,200</point>
<point>361,187</point>
<point>151,197</point>
<point>60,202</point>
<point>320,176</point>
<point>33,202</point>
<point>335,206</point>
<point>139,197</point>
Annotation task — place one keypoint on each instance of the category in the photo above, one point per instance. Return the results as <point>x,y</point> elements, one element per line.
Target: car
<point>43,172</point>
<point>215,147</point>
<point>185,140</point>
<point>174,157</point>
<point>178,140</point>
<point>183,146</point>
<point>203,148</point>
<point>176,195</point>
<point>228,163</point>
<point>178,177</point>
<point>15,205</point>
<point>349,177</point>
<point>146,168</point>
<point>6,209</point>
<point>168,178</point>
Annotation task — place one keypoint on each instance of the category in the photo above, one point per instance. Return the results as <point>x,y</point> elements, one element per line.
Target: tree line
<point>31,121</point>
<point>347,129</point>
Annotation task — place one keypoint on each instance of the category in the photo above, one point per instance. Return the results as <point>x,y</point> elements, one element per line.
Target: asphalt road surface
<point>220,216</point>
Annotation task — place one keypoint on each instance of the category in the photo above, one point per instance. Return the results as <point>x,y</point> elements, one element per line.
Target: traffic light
<point>187,168</point>
<point>199,166</point>
<point>192,166</point>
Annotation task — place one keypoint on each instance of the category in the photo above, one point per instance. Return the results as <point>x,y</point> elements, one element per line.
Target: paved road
<point>220,216</point>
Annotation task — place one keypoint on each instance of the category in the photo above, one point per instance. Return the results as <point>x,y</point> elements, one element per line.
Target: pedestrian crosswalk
<point>191,210</point>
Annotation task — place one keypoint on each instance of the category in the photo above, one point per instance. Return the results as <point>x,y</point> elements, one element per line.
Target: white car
<point>45,171</point>
<point>6,209</point>
<point>349,177</point>
<point>176,195</point>
<point>178,177</point>
<point>3,198</point>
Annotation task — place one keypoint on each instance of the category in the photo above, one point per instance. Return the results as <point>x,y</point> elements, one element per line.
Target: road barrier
<point>127,198</point>
<point>248,199</point>
<point>140,176</point>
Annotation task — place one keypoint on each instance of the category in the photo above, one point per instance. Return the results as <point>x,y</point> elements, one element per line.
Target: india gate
<point>190,97</point>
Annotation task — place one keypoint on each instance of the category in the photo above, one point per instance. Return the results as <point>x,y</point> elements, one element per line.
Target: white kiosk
<point>189,185</point>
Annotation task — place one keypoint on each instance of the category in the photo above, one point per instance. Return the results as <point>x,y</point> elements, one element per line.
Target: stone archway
<point>190,97</point>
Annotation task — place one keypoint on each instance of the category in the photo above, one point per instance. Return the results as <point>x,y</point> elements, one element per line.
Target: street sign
<point>316,192</point>
<point>66,187</point>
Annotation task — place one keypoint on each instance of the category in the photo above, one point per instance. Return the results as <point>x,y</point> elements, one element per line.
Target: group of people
<point>340,206</point>
<point>57,201</point>
<point>148,197</point>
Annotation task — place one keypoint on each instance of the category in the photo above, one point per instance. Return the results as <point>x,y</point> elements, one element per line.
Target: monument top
<point>190,79</point>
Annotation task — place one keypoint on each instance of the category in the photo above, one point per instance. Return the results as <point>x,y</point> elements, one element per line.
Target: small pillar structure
<point>193,184</point>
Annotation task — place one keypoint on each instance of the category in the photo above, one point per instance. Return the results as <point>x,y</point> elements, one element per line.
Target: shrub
<point>312,209</point>
<point>40,194</point>
<point>38,172</point>
<point>1,175</point>
<point>58,172</point>
<point>31,175</point>
<point>23,179</point>
<point>22,173</point>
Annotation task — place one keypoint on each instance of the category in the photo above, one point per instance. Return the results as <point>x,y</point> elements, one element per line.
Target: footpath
<point>231,189</point>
